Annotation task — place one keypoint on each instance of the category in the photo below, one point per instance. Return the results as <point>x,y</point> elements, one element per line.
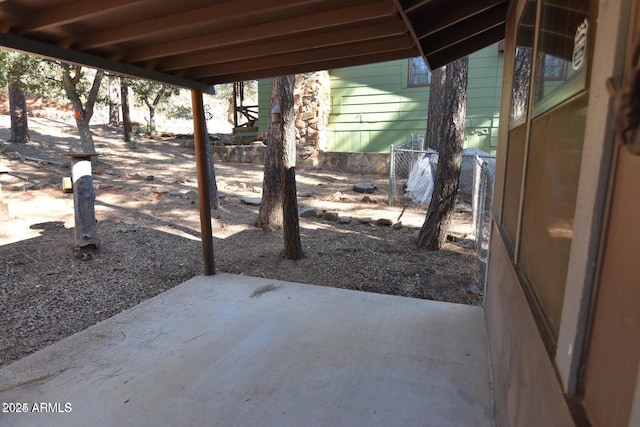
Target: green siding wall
<point>264,103</point>
<point>484,88</point>
<point>372,107</point>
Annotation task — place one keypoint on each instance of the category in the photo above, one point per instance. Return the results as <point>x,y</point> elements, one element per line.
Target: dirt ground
<point>148,223</point>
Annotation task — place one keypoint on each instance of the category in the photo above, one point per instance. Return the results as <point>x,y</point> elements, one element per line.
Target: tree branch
<point>93,94</point>
<point>159,96</point>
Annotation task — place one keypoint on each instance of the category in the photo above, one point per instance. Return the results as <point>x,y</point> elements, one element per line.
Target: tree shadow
<point>53,293</point>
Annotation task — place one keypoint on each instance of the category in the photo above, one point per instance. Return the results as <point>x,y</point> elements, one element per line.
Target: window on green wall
<point>419,74</point>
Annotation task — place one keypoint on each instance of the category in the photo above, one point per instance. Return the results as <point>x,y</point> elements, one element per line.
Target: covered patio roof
<point>200,43</point>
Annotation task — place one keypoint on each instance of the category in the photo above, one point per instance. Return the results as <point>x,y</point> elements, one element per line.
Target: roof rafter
<point>466,46</point>
<point>464,29</point>
<point>340,16</point>
<point>197,42</point>
<point>312,66</point>
<point>311,55</point>
<point>69,13</point>
<point>429,20</point>
<point>49,51</point>
<point>208,15</point>
<point>369,31</point>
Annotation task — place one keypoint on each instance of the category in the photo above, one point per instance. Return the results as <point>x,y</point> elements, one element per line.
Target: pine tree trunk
<point>292,243</point>
<point>270,213</point>
<point>18,110</point>
<point>126,116</point>
<point>86,230</point>
<point>114,101</point>
<point>437,98</point>
<point>213,185</point>
<point>434,230</point>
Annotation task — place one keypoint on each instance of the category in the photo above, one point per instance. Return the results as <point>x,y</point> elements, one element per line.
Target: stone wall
<point>312,103</point>
<point>253,153</point>
<point>365,163</point>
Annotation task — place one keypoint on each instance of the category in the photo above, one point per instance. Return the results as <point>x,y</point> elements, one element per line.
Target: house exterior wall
<point>592,364</point>
<point>372,106</point>
<point>614,352</point>
<point>484,87</point>
<point>611,379</point>
<point>526,389</point>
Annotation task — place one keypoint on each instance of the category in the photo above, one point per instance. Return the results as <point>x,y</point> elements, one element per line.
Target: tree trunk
<point>437,99</point>
<point>82,113</point>
<point>18,110</point>
<point>126,117</point>
<point>114,101</point>
<point>434,230</point>
<point>86,138</point>
<point>211,169</point>
<point>152,113</point>
<point>270,213</point>
<point>292,243</point>
<point>86,230</point>
<point>152,122</point>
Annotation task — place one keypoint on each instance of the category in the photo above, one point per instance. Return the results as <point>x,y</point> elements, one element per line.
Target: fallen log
<point>43,161</point>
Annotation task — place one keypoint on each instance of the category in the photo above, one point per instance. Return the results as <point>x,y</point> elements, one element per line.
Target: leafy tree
<point>82,91</point>
<point>19,73</point>
<point>152,94</point>
<point>447,113</point>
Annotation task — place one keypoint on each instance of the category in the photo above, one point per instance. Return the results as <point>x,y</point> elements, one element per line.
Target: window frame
<point>410,84</point>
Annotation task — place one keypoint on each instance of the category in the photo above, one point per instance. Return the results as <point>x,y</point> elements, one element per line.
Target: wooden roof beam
<point>46,50</point>
<point>208,15</point>
<point>307,56</point>
<point>342,16</point>
<point>429,19</point>
<point>365,32</point>
<point>70,13</point>
<point>464,29</point>
<point>407,22</point>
<point>313,66</point>
<point>466,47</point>
<point>410,5</point>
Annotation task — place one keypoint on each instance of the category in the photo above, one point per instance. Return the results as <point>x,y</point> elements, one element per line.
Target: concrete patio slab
<point>230,350</point>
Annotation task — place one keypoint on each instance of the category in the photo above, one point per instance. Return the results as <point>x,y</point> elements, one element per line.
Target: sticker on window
<point>580,45</point>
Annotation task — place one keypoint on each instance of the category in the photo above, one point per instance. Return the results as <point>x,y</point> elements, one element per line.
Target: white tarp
<point>421,179</point>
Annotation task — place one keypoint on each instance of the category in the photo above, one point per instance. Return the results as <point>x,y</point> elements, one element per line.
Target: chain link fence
<point>409,171</point>
<point>482,198</point>
<point>412,175</point>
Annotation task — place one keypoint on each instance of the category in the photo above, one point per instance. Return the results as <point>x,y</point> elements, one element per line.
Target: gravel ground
<point>147,209</point>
